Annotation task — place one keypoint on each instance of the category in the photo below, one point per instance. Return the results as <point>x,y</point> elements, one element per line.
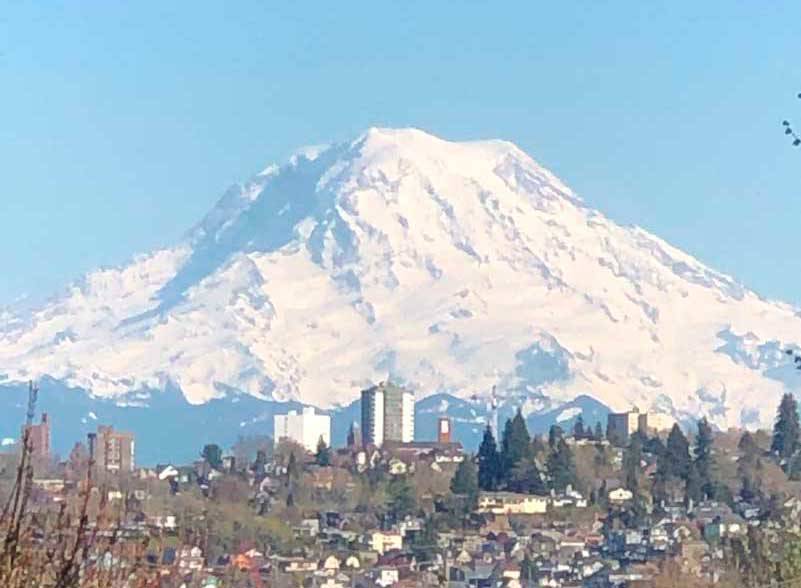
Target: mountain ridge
<point>450,267</point>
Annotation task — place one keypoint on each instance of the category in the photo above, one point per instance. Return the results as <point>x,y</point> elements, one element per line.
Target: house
<point>330,565</point>
<point>724,526</point>
<point>512,503</point>
<point>297,565</point>
<point>383,542</point>
<point>620,495</point>
<point>398,467</point>
<point>308,528</point>
<point>387,576</point>
<point>190,558</point>
<point>167,522</point>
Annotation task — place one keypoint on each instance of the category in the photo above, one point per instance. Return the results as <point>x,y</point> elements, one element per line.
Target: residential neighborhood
<point>573,508</point>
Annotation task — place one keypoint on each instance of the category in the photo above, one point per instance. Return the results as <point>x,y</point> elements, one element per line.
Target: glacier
<point>449,267</point>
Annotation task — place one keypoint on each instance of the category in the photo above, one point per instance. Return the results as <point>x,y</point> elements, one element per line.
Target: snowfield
<point>451,267</point>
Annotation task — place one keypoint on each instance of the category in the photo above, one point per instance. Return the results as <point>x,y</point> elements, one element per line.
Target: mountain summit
<point>451,267</point>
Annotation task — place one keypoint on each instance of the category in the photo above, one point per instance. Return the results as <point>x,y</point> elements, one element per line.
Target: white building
<point>386,541</point>
<point>512,503</point>
<point>305,429</point>
<point>620,495</point>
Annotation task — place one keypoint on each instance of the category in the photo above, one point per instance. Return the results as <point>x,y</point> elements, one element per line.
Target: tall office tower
<point>387,415</point>
<point>112,451</point>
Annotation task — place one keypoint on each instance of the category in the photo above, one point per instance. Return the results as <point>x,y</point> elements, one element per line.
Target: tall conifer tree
<point>786,429</point>
<point>703,459</point>
<point>516,445</point>
<point>488,462</point>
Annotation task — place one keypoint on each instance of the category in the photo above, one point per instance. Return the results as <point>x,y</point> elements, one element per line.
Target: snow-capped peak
<point>448,266</point>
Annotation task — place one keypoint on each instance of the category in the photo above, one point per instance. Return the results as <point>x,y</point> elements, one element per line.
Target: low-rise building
<point>382,542</point>
<point>512,503</point>
<point>620,495</point>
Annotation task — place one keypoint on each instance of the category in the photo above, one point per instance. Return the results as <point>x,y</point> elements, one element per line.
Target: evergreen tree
<point>515,446</point>
<point>631,463</point>
<point>554,434</point>
<point>703,459</point>
<point>561,466</point>
<point>212,455</point>
<point>747,446</point>
<point>488,462</point>
<point>599,431</point>
<point>401,498</point>
<point>292,469</point>
<point>748,492</point>
<point>654,446</point>
<point>693,487</point>
<point>578,428</point>
<point>323,455</point>
<point>603,494</point>
<point>538,447</point>
<point>528,571</point>
<point>677,454</point>
<point>786,430</point>
<point>260,464</point>
<point>526,478</point>
<point>465,482</point>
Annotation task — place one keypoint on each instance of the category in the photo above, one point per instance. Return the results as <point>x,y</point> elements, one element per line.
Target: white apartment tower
<point>305,429</point>
<point>387,415</point>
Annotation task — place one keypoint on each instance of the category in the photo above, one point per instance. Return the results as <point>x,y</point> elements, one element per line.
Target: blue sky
<point>122,123</point>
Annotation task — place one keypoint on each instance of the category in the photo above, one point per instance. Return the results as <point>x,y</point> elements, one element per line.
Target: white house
<point>387,577</point>
<point>620,495</point>
<point>305,429</point>
<point>512,503</point>
<point>383,542</point>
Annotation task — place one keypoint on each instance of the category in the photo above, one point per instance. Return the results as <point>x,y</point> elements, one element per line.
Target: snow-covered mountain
<point>450,267</point>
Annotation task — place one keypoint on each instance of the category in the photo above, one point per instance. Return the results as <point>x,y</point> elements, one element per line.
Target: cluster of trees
<point>517,465</point>
<point>681,467</point>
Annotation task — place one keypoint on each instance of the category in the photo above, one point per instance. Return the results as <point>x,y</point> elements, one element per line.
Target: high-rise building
<point>39,439</point>
<point>112,451</point>
<point>387,415</point>
<point>305,429</point>
<point>622,425</point>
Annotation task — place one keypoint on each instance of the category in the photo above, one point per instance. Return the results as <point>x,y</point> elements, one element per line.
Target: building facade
<point>387,415</point>
<point>38,437</point>
<point>507,503</point>
<point>443,430</point>
<point>620,426</point>
<point>306,428</point>
<point>112,451</point>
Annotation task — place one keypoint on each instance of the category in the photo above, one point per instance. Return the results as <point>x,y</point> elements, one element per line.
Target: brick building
<point>112,451</point>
